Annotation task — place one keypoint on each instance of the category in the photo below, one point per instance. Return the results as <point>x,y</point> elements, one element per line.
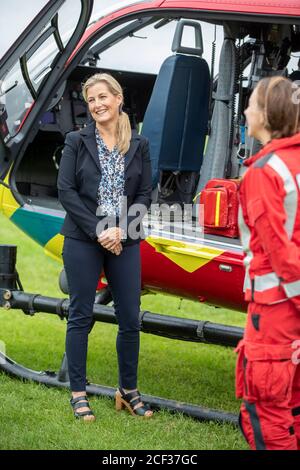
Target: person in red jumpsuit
<point>268,370</point>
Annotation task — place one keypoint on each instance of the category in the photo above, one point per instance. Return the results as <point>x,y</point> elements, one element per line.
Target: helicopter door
<point>32,66</point>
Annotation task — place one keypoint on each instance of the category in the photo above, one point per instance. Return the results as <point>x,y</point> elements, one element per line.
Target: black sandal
<point>82,402</point>
<point>130,401</point>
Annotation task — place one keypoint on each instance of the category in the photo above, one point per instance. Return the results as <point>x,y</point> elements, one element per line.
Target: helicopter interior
<point>36,177</point>
<point>190,104</point>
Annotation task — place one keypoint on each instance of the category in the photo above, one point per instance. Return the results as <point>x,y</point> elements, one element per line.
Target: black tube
<point>162,325</point>
<point>191,330</point>
<point>51,379</point>
<point>8,258</point>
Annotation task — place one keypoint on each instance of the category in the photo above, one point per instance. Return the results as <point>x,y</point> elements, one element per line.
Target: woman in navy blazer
<point>104,184</point>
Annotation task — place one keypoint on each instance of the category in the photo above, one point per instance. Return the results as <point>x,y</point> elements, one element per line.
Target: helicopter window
<point>20,86</point>
<point>8,17</point>
<point>15,99</point>
<point>109,34</point>
<point>40,58</point>
<point>67,22</point>
<point>293,67</point>
<point>40,63</point>
<point>144,49</point>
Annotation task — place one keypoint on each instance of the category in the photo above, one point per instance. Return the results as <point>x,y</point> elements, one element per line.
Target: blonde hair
<point>123,125</point>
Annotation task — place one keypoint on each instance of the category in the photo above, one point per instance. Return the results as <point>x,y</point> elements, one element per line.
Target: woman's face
<point>255,117</point>
<point>103,105</point>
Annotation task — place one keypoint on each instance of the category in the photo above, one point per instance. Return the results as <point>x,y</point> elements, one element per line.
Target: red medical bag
<point>220,200</point>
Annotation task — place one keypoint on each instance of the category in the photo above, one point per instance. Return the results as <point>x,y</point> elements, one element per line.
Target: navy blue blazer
<point>79,176</point>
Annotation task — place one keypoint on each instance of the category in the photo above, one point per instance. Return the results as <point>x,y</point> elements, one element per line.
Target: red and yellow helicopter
<point>165,54</point>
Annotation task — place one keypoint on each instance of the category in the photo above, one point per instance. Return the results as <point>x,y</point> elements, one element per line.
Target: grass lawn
<point>33,416</point>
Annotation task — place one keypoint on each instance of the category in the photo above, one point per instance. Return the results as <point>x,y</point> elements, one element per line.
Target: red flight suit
<point>267,373</point>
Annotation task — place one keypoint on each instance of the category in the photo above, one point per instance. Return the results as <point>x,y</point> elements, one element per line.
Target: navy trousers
<point>83,263</point>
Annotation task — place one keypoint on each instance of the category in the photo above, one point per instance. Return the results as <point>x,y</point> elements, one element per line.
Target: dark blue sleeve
<point>143,194</point>
<point>68,192</point>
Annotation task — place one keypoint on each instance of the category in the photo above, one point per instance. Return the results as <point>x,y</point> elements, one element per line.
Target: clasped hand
<point>111,240</point>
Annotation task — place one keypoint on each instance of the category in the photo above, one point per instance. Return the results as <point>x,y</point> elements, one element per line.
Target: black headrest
<point>176,45</point>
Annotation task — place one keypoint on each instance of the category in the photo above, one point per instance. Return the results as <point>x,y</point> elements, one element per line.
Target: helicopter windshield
<point>8,19</point>
<point>19,87</point>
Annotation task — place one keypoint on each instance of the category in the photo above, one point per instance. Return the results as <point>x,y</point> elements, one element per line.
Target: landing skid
<point>12,297</point>
<point>52,379</point>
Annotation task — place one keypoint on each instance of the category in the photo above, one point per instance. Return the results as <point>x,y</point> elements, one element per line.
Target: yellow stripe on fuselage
<point>54,247</point>
<point>8,204</point>
<point>188,256</point>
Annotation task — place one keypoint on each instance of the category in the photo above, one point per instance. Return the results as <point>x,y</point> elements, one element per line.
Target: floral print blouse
<point>111,187</point>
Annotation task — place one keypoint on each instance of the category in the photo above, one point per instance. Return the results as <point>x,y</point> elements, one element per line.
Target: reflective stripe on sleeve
<point>291,199</point>
<point>245,239</point>
<point>292,289</point>
<point>266,281</point>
